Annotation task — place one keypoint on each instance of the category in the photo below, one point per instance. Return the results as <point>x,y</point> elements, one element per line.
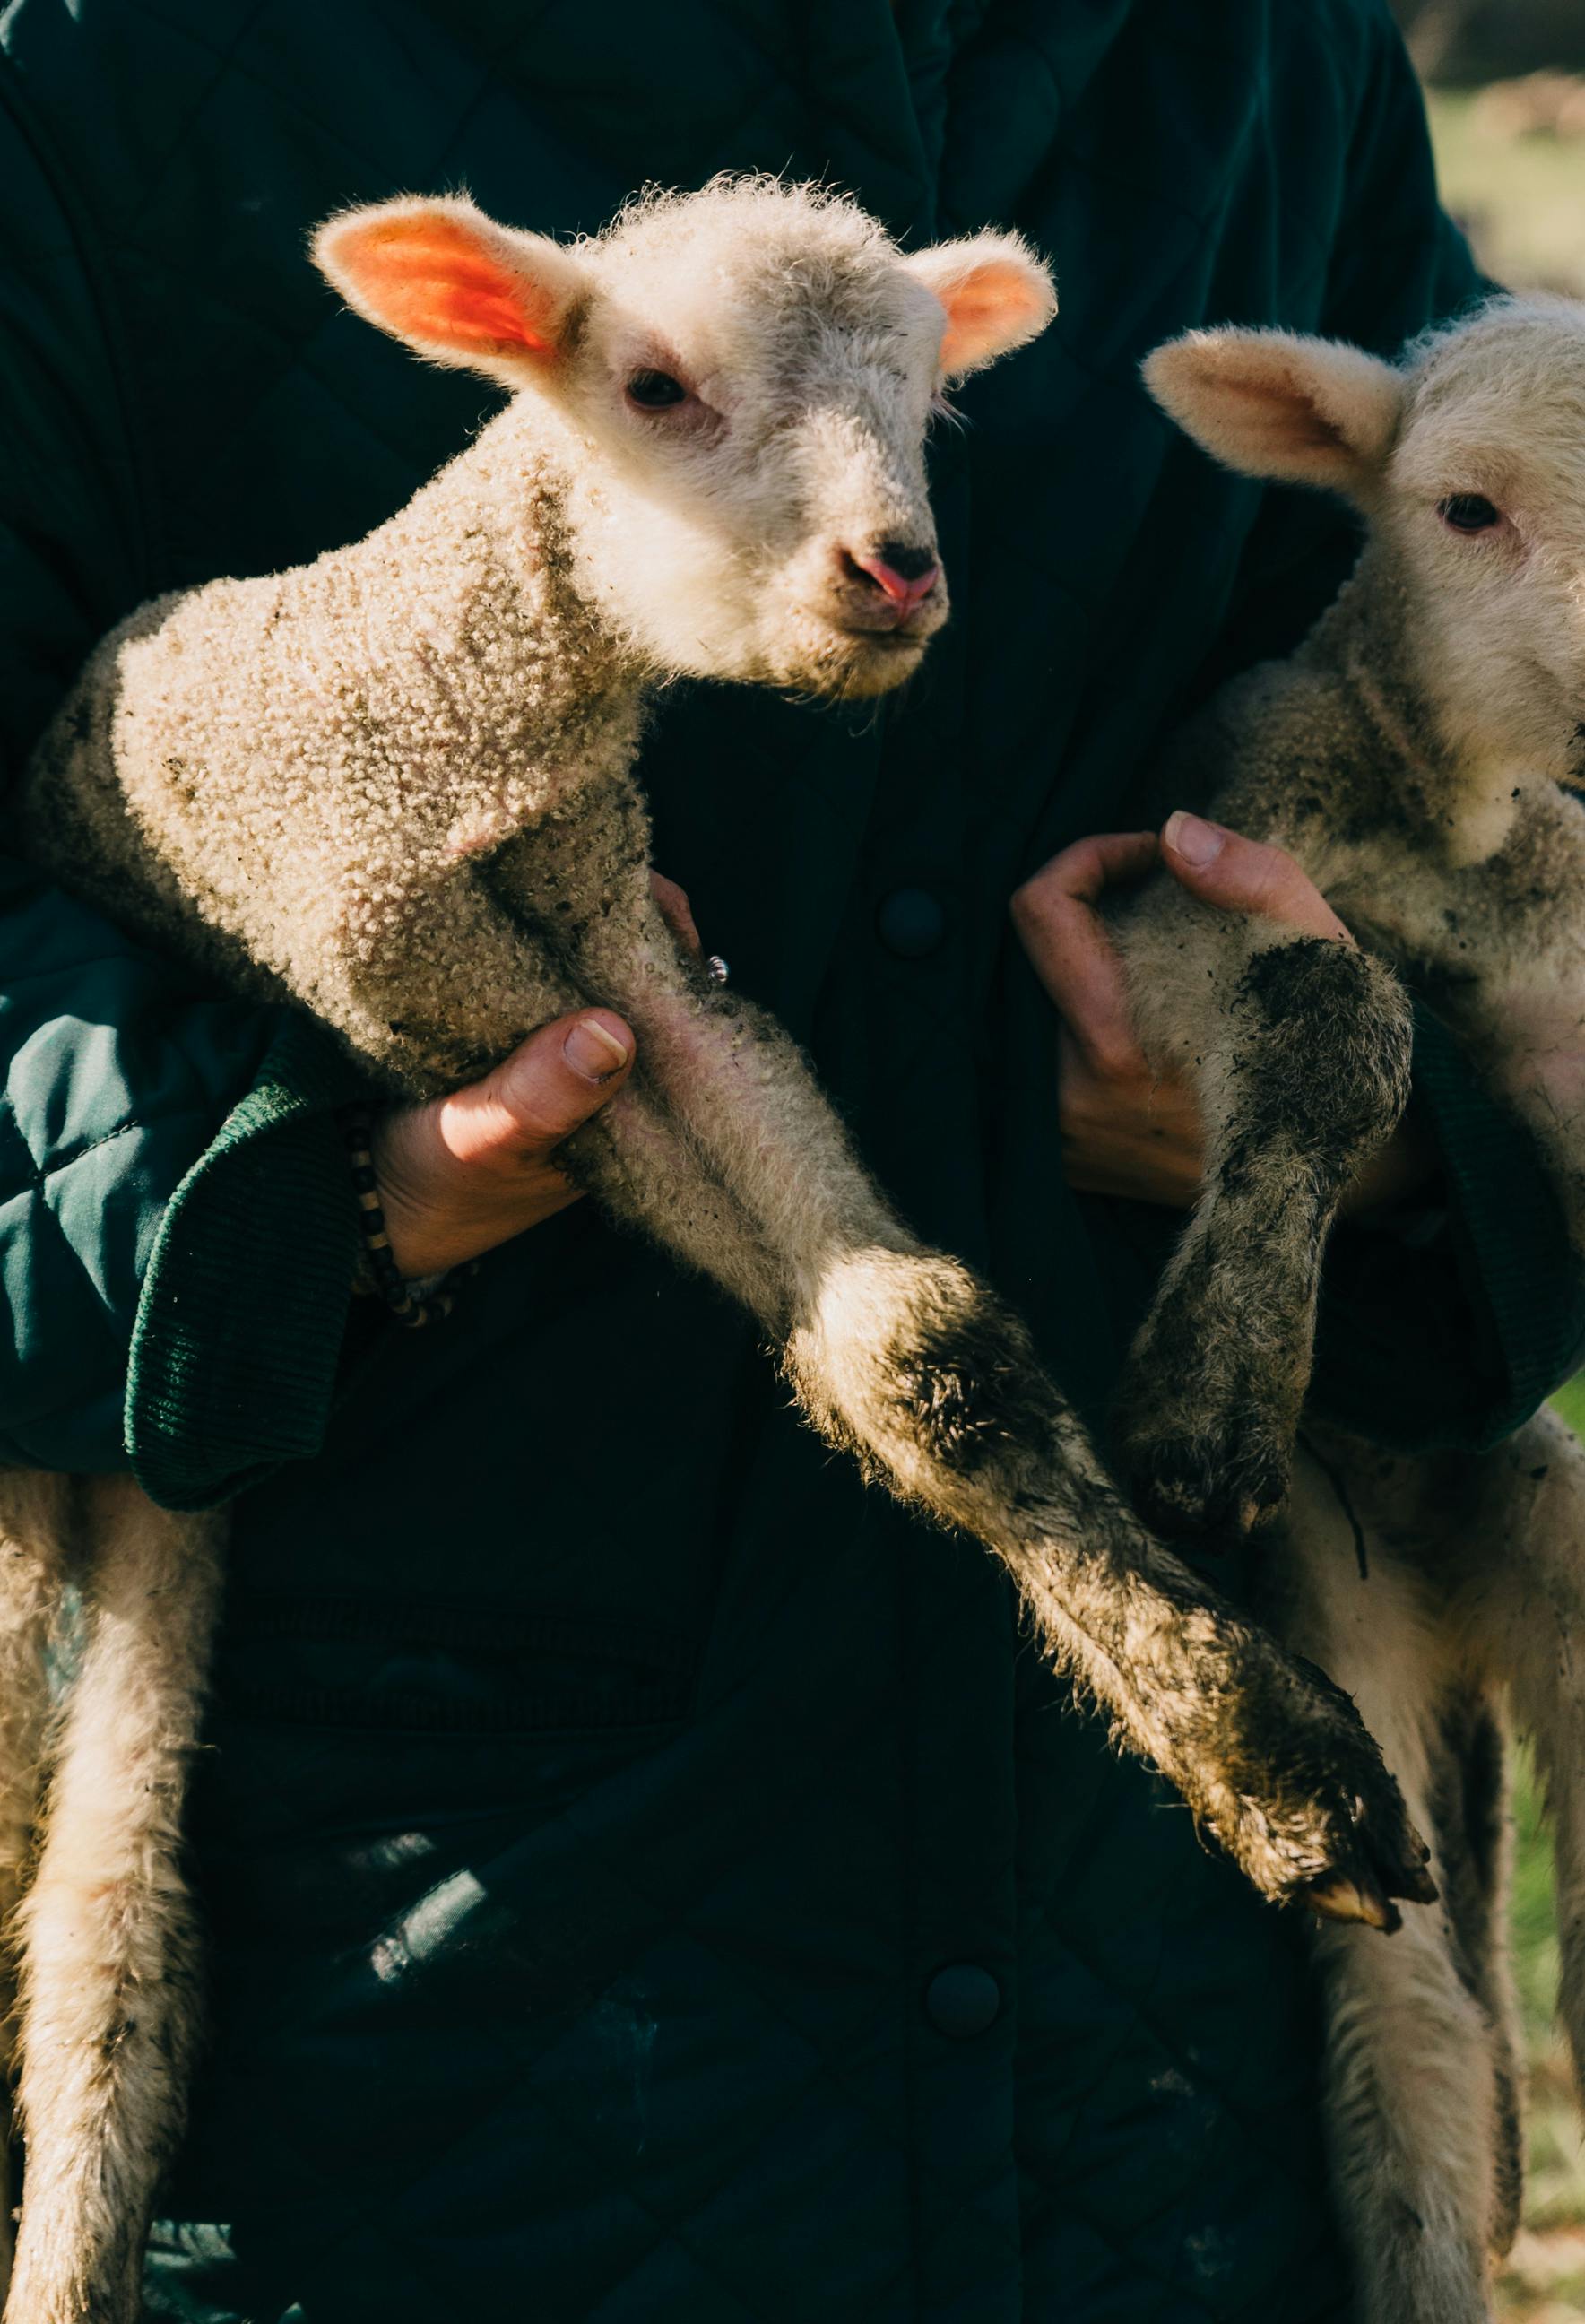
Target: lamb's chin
<point>849,666</point>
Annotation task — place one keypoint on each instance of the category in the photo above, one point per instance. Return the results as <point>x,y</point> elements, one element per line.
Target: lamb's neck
<point>508,678</point>
<point>1461,794</point>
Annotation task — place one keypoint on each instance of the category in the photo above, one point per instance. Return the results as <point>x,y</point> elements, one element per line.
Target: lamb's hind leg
<point>110,1966</point>
<point>35,1535</point>
<point>902,1354</point>
<point>1419,2076</point>
<point>1299,1049</point>
<point>1520,1515</point>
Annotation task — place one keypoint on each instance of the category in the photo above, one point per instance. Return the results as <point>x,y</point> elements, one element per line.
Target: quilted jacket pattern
<point>648,1882</point>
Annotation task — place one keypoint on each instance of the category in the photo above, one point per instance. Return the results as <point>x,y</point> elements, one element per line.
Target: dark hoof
<point>1307,1807</point>
<point>1199,1490</point>
<point>1376,1857</point>
<point>1355,1896</point>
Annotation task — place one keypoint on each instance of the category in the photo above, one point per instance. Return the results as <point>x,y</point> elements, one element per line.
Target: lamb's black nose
<point>911,563</point>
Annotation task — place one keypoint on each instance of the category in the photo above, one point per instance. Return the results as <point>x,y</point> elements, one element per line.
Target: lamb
<point>395,788</point>
<point>1416,756</point>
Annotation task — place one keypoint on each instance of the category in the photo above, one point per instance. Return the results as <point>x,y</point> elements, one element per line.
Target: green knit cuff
<point>1459,1340</point>
<point>243,1307</point>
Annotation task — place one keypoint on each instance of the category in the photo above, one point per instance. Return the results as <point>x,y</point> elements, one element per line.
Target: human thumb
<point>545,1090</point>
<point>1245,875</point>
<point>466,1172</point>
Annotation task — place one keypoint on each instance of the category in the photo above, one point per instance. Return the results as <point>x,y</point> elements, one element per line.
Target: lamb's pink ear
<point>1305,412</point>
<point>452,284</point>
<point>996,295</point>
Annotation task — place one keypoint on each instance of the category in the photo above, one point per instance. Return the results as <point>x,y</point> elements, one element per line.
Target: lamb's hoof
<point>1310,1813</point>
<point>1376,1859</point>
<point>1339,1898</point>
<point>1203,1486</point>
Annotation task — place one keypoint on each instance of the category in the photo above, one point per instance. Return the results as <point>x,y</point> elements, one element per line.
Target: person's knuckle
<point>1112,1055</point>
<point>1030,900</point>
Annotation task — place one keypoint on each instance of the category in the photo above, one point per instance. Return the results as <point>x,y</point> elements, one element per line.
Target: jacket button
<point>910,922</point>
<point>962,2000</point>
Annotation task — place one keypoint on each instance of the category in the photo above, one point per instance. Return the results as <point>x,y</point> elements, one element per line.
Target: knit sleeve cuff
<point>244,1308</point>
<point>1453,1336</point>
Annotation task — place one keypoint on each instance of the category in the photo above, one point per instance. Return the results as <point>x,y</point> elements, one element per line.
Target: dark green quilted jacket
<point>649,1884</point>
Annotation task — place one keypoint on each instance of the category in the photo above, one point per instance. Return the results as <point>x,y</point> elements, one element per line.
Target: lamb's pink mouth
<point>858,664</point>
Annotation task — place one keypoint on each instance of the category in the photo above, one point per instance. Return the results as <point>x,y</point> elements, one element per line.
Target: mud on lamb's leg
<point>110,1965</point>
<point>902,1354</point>
<point>1270,1754</point>
<point>1301,1075</point>
<point>1421,2078</point>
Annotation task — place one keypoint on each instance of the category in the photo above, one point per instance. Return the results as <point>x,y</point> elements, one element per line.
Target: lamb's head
<point>1468,462</point>
<point>738,383</point>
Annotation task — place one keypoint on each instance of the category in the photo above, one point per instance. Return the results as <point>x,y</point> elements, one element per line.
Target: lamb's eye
<point>1470,513</point>
<point>655,391</point>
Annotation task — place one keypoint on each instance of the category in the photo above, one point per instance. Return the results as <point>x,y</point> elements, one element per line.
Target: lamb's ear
<point>996,292</point>
<point>1306,411</point>
<point>453,285</point>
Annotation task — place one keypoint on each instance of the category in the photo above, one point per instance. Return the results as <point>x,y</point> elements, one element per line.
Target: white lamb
<point>1418,757</point>
<point>395,786</point>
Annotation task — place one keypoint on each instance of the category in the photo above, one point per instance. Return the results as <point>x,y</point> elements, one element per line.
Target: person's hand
<point>469,1171</point>
<point>1125,1129</point>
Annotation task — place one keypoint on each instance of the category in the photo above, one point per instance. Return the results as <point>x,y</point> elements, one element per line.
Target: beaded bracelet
<point>379,1274</point>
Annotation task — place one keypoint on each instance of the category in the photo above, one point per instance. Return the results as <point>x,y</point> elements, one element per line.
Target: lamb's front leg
<point>900,1354</point>
<point>1298,1050</point>
<point>1270,1754</point>
<point>427,1015</point>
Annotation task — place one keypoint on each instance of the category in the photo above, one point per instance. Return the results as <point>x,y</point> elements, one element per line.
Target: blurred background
<point>1505,81</point>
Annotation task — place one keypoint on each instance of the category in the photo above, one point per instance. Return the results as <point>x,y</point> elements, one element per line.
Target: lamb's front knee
<point>1319,1067</point>
<point>907,1356</point>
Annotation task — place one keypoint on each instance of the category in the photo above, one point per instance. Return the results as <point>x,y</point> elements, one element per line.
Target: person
<point>648,1877</point>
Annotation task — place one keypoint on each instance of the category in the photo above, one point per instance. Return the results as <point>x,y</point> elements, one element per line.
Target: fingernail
<point>593,1050</point>
<point>1199,842</point>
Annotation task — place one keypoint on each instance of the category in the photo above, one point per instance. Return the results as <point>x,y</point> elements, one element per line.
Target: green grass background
<point>1521,199</point>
